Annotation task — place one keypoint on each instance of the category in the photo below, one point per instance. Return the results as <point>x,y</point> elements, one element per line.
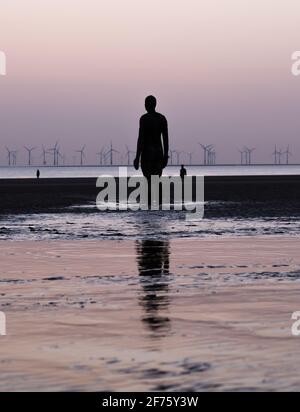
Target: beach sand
<point>211,314</point>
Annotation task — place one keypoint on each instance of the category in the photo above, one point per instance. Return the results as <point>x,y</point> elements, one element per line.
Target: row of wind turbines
<point>12,155</point>
<point>106,155</point>
<point>58,158</point>
<point>280,156</point>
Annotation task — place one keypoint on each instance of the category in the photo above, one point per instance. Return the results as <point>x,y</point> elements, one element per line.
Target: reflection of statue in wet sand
<point>153,141</point>
<point>153,266</point>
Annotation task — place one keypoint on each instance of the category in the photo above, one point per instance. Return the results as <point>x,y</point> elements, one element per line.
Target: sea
<point>221,219</point>
<point>95,171</point>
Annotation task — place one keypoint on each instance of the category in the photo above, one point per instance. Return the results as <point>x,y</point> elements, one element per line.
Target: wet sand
<point>105,315</point>
<point>40,195</point>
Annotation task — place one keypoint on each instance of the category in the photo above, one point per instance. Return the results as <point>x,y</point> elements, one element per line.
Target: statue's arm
<point>139,145</point>
<point>165,135</point>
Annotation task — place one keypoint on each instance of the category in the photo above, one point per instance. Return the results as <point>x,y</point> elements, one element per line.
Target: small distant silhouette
<point>38,174</point>
<point>183,172</point>
<point>153,141</point>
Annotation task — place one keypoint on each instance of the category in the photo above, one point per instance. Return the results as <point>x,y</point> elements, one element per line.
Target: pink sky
<point>78,71</point>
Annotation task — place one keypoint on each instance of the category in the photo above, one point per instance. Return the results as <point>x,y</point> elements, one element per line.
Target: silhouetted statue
<point>38,174</point>
<point>153,141</point>
<point>153,266</point>
<point>182,172</point>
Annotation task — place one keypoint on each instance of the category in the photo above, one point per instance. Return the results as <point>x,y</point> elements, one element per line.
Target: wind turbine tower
<point>210,156</point>
<point>206,151</point>
<point>190,156</point>
<point>110,153</point>
<point>288,154</point>
<point>177,156</point>
<point>243,156</point>
<point>101,156</point>
<point>29,150</point>
<point>82,154</point>
<point>55,155</point>
<point>9,156</point>
<point>128,153</point>
<point>249,155</point>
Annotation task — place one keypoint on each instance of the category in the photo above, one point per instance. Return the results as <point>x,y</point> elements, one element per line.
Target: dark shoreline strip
<point>26,195</point>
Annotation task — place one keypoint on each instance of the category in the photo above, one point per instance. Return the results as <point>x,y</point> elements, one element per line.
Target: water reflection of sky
<point>81,223</point>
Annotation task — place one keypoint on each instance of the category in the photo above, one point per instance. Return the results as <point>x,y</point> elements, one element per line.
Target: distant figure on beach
<point>38,174</point>
<point>153,141</point>
<point>182,172</point>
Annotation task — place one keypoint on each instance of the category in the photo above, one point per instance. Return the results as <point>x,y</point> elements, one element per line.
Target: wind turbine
<point>44,155</point>
<point>101,156</point>
<point>178,156</point>
<point>128,153</point>
<point>288,154</point>
<point>275,154</point>
<point>110,153</point>
<point>210,155</point>
<point>82,154</point>
<point>14,157</point>
<point>249,155</point>
<point>214,155</point>
<point>280,153</point>
<point>59,155</point>
<point>9,156</point>
<point>206,149</point>
<point>55,156</point>
<point>190,155</point>
<point>29,150</point>
<point>243,156</point>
